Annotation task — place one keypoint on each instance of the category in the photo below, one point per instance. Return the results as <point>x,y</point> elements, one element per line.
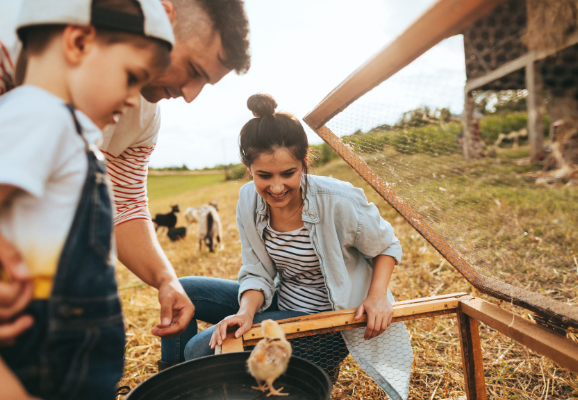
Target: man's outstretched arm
<point>138,247</point>
<point>140,251</point>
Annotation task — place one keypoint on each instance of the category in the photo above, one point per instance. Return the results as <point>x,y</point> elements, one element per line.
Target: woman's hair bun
<point>262,105</point>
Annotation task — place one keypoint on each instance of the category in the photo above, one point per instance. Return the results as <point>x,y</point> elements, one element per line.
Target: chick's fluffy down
<point>269,360</point>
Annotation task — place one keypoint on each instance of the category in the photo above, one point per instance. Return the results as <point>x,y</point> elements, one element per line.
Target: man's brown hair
<point>229,19</point>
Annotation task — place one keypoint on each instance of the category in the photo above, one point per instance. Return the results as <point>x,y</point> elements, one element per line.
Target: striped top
<point>302,286</point>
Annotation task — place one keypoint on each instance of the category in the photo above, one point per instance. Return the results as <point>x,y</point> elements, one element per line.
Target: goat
<point>175,234</point>
<point>210,229</point>
<point>194,214</point>
<point>169,220</point>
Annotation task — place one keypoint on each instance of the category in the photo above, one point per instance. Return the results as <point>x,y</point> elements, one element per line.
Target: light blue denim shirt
<point>346,232</point>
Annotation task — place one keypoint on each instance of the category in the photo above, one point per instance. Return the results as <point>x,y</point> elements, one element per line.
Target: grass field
<point>167,186</point>
<point>512,371</point>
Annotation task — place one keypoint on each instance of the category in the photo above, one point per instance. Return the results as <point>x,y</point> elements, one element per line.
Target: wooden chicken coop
<point>524,44</point>
<point>497,58</point>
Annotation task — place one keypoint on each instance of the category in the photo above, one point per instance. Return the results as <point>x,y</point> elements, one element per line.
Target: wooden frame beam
<point>519,63</point>
<point>345,319</point>
<point>506,69</point>
<point>443,19</point>
<point>472,359</point>
<point>469,310</point>
<point>542,340</point>
<point>342,320</point>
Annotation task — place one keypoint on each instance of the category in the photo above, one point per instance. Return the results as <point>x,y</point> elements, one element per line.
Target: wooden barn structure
<point>523,44</point>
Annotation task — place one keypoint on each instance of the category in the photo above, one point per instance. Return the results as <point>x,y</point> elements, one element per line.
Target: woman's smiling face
<point>277,178</point>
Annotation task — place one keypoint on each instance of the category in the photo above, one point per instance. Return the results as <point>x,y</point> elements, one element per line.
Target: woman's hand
<point>242,319</point>
<point>379,314</point>
<point>378,308</point>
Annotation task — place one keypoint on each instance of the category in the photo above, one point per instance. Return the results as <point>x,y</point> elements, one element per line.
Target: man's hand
<point>176,310</point>
<point>15,293</point>
<point>140,251</point>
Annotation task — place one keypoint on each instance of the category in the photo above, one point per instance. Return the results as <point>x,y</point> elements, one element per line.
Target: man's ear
<point>77,41</point>
<point>171,12</point>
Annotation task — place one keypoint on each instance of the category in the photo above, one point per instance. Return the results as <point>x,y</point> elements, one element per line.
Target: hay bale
<point>549,23</point>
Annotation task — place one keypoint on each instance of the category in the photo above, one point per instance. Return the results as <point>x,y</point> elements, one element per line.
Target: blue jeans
<point>214,299</point>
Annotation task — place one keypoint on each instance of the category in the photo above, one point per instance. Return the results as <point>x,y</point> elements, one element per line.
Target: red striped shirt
<point>128,174</point>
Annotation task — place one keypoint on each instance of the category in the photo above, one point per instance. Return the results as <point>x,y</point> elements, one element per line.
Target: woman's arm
<point>378,308</point>
<point>251,302</point>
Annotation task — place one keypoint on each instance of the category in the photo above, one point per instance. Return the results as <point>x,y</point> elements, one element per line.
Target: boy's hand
<point>15,293</point>
<point>379,314</point>
<point>11,387</point>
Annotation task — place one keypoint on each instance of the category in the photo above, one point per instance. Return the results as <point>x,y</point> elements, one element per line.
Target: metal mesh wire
<point>327,350</point>
<point>501,220</point>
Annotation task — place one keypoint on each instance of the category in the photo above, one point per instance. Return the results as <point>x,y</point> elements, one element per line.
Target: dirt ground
<point>512,371</point>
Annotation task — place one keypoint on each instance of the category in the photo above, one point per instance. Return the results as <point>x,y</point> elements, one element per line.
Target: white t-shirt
<point>127,146</point>
<point>42,154</point>
<point>138,127</point>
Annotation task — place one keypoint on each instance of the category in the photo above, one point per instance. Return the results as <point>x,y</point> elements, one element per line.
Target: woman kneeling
<point>310,244</point>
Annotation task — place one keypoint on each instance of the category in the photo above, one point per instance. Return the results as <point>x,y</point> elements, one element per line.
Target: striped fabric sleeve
<point>128,174</point>
<point>6,70</point>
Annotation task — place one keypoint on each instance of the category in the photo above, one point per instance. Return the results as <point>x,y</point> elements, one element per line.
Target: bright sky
<point>301,50</point>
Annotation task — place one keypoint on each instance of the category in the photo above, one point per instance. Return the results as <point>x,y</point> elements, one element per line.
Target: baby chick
<point>269,359</point>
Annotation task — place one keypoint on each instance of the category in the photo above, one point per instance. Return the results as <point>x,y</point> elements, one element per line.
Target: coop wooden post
<point>534,103</point>
<point>468,144</point>
<point>471,356</point>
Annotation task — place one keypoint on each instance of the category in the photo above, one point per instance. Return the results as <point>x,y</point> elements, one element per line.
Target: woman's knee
<point>198,346</point>
<point>204,288</point>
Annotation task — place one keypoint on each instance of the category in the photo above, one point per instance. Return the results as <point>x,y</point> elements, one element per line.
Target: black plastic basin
<point>225,376</point>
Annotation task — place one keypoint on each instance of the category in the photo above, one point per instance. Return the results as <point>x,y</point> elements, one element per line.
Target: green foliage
<point>500,102</point>
<point>494,124</point>
<point>430,139</point>
<point>322,154</point>
<point>235,172</point>
<point>423,116</point>
<point>172,168</point>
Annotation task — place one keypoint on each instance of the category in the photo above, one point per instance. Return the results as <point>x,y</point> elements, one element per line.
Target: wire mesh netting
<point>388,362</point>
<point>509,218</point>
<point>327,350</point>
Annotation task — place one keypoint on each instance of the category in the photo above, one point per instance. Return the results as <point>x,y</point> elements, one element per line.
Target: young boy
<point>86,63</point>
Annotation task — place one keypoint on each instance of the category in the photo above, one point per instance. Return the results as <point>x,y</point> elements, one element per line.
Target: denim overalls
<point>75,348</point>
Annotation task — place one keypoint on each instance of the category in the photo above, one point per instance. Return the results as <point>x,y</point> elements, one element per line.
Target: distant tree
<point>380,128</point>
<point>423,116</point>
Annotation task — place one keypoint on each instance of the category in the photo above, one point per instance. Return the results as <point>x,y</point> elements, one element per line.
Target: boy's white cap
<point>156,22</point>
